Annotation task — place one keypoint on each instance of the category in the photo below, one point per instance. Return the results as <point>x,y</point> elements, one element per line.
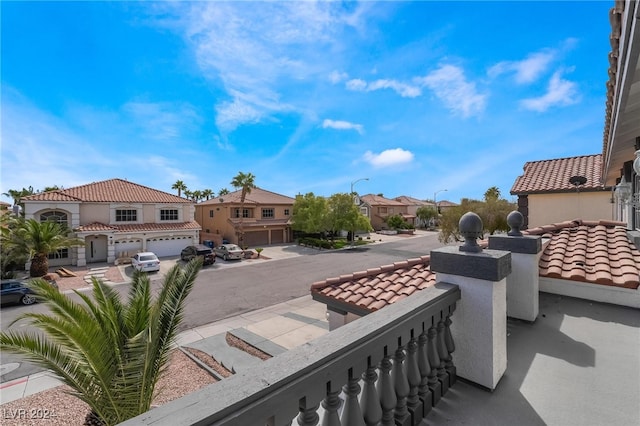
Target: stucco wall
<point>546,209</point>
<point>92,212</point>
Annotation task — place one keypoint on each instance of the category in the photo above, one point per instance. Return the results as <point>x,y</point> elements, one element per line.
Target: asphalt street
<point>222,292</point>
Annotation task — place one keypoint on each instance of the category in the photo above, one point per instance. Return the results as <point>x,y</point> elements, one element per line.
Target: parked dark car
<point>205,252</point>
<point>16,291</point>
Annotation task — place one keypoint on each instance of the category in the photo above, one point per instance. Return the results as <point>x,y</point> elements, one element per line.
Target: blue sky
<point>309,97</point>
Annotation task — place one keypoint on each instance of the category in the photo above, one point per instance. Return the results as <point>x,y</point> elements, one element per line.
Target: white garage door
<point>168,246</point>
<point>127,248</point>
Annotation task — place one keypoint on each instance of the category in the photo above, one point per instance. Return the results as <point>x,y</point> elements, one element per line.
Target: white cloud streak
<point>402,89</point>
<point>342,125</point>
<point>527,70</point>
<point>251,50</point>
<point>389,157</point>
<point>560,92</point>
<point>450,85</point>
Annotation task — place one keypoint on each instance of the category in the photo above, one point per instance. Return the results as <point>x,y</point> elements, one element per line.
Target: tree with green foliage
<point>111,353</point>
<point>310,213</point>
<point>207,193</point>
<point>223,191</point>
<point>344,214</point>
<point>37,240</point>
<point>493,211</point>
<point>426,213</point>
<point>245,182</point>
<point>396,221</point>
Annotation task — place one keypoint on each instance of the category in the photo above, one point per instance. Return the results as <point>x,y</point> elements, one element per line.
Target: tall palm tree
<point>197,195</point>
<point>38,240</point>
<point>223,191</point>
<point>17,194</point>
<point>179,186</point>
<point>110,352</point>
<point>246,182</point>
<point>207,193</point>
<point>188,194</point>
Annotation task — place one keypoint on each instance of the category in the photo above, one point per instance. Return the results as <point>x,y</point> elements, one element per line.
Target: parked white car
<point>229,251</point>
<point>145,262</point>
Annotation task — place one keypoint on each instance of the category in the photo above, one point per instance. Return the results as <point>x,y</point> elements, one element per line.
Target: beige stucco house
<point>413,204</point>
<point>266,218</point>
<point>116,219</point>
<point>552,191</point>
<point>380,208</point>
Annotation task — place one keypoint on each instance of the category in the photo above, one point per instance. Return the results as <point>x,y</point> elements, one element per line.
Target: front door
<point>96,248</point>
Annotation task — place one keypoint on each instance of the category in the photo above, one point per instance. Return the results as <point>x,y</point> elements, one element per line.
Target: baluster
<point>443,354</point>
<point>308,413</point>
<point>434,361</point>
<point>451,347</point>
<point>413,375</point>
<point>384,387</point>
<point>425,369</point>
<point>401,385</point>
<point>351,414</point>
<point>331,403</point>
<point>370,401</point>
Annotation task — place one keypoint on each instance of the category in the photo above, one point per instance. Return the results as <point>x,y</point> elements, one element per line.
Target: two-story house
<point>116,219</point>
<point>413,204</point>
<point>380,208</point>
<point>265,218</point>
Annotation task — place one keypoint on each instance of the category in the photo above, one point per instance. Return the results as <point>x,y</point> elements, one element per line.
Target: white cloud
<point>560,92</point>
<point>449,85</point>
<point>402,89</point>
<point>250,51</point>
<point>161,120</point>
<point>336,77</point>
<point>527,70</point>
<point>342,125</point>
<point>389,157</point>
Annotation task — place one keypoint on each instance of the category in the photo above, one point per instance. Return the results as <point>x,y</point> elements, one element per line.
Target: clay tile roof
<point>376,288</point>
<point>108,191</point>
<point>256,196</point>
<point>553,175</point>
<point>377,200</point>
<point>139,227</point>
<point>596,252</point>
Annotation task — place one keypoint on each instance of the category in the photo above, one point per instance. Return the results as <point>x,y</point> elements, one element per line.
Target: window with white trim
<point>169,214</point>
<point>126,215</point>
<point>54,216</point>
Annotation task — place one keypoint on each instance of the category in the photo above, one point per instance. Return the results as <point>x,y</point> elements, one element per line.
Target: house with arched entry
<point>116,219</point>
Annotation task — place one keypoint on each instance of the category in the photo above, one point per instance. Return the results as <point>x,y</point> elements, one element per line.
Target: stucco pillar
<point>479,326</point>
<point>524,281</point>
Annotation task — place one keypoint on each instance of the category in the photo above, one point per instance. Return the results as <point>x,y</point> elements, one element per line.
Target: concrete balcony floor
<point>578,364</point>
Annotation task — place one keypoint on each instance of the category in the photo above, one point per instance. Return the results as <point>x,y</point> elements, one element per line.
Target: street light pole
<point>353,231</point>
<point>434,200</point>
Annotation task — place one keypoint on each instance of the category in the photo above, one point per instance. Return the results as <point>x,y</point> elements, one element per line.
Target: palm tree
<point>207,193</point>
<point>110,352</point>
<point>38,240</point>
<point>188,194</point>
<point>244,181</point>
<point>179,186</point>
<point>197,195</point>
<point>223,191</point>
<point>18,194</point>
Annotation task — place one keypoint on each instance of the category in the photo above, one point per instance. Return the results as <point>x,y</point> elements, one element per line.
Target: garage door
<point>168,246</point>
<point>277,236</point>
<point>127,248</point>
<point>256,238</point>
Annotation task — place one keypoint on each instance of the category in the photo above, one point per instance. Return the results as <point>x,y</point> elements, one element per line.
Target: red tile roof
<point>377,200</point>
<point>548,176</point>
<point>375,288</point>
<point>257,196</point>
<point>139,227</point>
<point>587,251</point>
<point>410,201</point>
<point>108,191</point>
<point>596,252</point>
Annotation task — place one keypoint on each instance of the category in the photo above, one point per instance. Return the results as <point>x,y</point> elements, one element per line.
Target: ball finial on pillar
<point>471,227</point>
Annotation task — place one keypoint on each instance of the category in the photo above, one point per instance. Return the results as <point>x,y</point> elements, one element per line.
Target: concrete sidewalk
<point>273,329</point>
